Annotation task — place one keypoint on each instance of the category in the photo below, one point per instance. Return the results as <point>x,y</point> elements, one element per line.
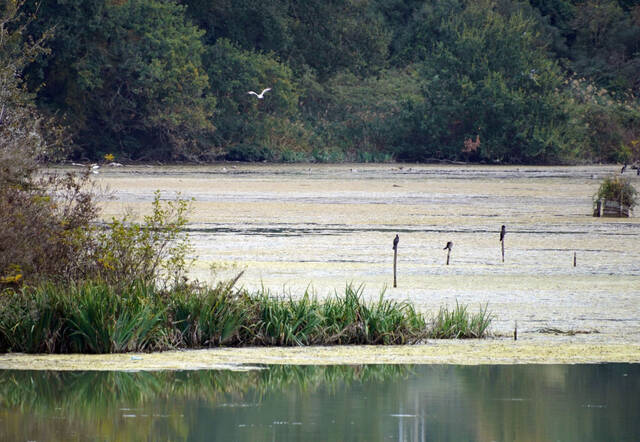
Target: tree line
<point>496,81</point>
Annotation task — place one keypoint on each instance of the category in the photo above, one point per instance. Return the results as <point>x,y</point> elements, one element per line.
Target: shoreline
<point>459,352</point>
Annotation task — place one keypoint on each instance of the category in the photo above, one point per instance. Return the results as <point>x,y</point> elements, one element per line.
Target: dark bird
<point>448,246</point>
<point>396,240</point>
<point>623,168</point>
<point>503,232</point>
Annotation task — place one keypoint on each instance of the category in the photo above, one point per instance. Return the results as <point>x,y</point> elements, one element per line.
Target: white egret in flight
<point>261,95</point>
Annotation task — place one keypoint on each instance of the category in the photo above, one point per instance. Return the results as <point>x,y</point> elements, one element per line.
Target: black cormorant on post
<point>448,248</point>
<point>396,240</point>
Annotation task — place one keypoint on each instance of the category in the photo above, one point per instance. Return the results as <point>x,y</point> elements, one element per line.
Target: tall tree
<point>484,74</point>
<point>130,75</point>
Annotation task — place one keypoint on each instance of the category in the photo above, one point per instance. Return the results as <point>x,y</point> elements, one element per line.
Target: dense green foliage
<point>92,317</point>
<point>39,234</point>
<point>48,227</point>
<point>538,81</point>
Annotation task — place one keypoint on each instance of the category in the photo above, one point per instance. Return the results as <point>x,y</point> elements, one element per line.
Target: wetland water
<point>311,403</point>
<point>320,227</point>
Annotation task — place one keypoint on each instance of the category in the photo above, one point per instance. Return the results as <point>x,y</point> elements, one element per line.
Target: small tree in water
<point>617,189</point>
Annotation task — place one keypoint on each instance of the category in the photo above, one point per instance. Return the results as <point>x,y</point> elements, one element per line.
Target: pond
<point>318,227</point>
<point>313,403</point>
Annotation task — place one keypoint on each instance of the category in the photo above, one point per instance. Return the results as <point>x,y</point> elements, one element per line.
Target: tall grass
<point>204,316</point>
<point>459,323</point>
<point>94,317</point>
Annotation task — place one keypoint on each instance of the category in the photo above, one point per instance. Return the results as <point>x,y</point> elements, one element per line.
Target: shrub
<point>43,227</point>
<point>42,216</point>
<point>617,189</point>
<point>155,251</point>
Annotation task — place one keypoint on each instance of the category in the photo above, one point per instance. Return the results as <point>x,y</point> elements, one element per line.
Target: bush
<point>617,189</point>
<point>155,251</point>
<point>43,217</point>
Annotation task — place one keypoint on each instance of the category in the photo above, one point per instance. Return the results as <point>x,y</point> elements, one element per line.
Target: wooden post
<point>515,332</point>
<point>448,253</point>
<point>503,233</point>
<point>395,258</point>
<point>574,259</point>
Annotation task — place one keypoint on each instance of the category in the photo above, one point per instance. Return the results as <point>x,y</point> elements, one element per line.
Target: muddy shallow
<point>319,227</point>
<point>475,352</point>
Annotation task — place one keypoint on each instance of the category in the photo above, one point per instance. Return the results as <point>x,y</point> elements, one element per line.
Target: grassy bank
<point>93,317</point>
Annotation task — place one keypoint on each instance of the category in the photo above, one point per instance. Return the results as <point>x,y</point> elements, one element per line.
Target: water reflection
<point>372,402</point>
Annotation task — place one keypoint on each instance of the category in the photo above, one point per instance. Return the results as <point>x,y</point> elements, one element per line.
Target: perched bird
<point>623,168</point>
<point>396,240</point>
<point>448,246</point>
<point>261,94</point>
<point>503,231</point>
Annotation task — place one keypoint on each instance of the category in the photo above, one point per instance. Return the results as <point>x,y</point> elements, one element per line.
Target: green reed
<point>459,323</point>
<point>94,317</point>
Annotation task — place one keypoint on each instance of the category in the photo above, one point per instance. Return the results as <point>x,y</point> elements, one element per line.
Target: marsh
<point>293,228</point>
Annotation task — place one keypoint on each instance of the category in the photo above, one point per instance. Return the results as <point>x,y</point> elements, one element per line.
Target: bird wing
<point>252,93</point>
<point>266,90</point>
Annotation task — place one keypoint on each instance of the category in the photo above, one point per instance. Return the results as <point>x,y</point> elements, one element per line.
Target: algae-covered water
<point>319,227</point>
<point>311,403</point>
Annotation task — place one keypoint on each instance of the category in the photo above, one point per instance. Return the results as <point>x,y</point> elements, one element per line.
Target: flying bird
<point>396,240</point>
<point>261,94</point>
<point>448,246</point>
<point>503,232</point>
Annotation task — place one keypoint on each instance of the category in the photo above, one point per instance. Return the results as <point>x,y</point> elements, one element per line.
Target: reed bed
<point>94,317</point>
<point>458,323</point>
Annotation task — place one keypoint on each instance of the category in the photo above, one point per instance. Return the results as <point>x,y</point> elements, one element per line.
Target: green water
<point>359,403</point>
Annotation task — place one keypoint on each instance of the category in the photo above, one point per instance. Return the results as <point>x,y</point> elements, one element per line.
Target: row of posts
<point>448,247</point>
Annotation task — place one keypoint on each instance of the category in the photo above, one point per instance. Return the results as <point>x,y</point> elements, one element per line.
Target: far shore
<point>457,352</point>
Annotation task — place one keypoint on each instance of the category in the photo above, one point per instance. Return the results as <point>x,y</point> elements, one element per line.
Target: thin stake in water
<point>503,232</point>
<point>396,240</point>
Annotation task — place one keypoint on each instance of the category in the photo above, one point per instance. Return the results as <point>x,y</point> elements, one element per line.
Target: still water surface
<point>311,403</point>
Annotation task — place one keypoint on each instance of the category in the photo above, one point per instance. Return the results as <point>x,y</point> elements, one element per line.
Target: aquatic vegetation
<point>96,317</point>
<point>617,189</point>
<point>459,323</point>
<point>341,319</point>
